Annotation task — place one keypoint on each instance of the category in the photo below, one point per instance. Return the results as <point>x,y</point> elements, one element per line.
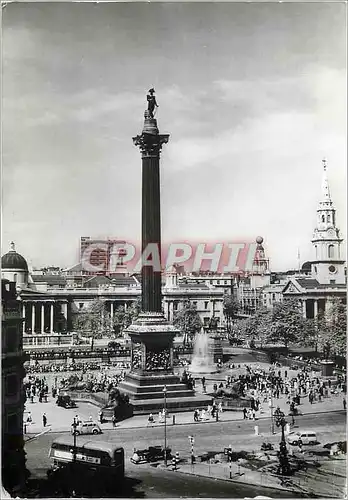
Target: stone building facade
<point>13,398</point>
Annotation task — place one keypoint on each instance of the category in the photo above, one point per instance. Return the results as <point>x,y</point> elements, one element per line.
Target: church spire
<point>328,266</point>
<point>325,185</point>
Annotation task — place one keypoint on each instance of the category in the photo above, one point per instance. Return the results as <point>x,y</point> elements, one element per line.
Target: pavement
<point>60,419</point>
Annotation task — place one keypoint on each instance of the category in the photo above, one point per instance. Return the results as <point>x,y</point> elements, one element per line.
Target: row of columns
<point>33,315</point>
<point>112,308</point>
<point>315,307</point>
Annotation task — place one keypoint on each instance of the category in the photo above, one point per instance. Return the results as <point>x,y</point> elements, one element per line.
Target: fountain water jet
<point>203,358</point>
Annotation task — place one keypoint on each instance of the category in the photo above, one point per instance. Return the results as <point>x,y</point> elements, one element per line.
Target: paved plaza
<point>60,419</point>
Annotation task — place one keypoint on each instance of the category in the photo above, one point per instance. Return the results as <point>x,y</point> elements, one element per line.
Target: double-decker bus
<point>83,461</point>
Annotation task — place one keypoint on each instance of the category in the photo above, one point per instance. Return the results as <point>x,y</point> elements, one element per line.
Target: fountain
<point>203,357</point>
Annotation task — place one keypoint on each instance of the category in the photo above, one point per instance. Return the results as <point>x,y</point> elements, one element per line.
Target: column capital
<point>150,145</point>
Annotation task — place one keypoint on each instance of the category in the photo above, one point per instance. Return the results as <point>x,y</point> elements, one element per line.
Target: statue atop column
<point>152,104</point>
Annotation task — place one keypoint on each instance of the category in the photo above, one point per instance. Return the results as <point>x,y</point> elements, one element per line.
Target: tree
<point>287,322</point>
<point>332,336</point>
<point>230,309</point>
<point>123,318</point>
<point>188,321</point>
<point>95,321</point>
<point>257,327</point>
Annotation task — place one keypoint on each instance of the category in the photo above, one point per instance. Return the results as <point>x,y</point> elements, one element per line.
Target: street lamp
<point>284,466</point>
<point>165,424</point>
<point>272,419</point>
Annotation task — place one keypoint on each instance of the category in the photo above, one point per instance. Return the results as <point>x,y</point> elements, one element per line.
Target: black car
<point>65,402</point>
<point>114,345</point>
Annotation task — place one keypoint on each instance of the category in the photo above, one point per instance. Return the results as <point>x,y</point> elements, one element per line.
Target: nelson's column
<point>151,334</point>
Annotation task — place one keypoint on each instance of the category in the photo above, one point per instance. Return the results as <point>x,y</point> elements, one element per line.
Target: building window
<point>218,282</point>
<point>323,218</point>
<point>195,304</point>
<point>328,217</point>
<point>331,251</point>
<point>81,305</point>
<point>175,306</point>
<point>273,296</point>
<point>225,282</point>
<point>206,304</point>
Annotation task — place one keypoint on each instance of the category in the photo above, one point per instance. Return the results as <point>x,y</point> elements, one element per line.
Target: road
<point>154,482</point>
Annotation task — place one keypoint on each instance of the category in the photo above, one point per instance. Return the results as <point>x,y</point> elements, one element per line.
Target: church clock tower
<point>328,267</point>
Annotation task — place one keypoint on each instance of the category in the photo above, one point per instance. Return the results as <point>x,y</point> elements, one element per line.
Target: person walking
<point>344,403</point>
<point>44,420</point>
<point>114,421</point>
<point>300,444</point>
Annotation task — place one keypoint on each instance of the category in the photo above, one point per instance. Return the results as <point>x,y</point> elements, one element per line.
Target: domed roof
<point>13,260</point>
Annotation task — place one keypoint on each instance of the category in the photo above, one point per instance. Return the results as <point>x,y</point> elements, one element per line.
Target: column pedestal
<point>152,368</point>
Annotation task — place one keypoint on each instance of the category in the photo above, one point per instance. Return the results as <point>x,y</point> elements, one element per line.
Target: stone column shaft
<point>150,143</point>
<point>33,317</point>
<point>315,308</point>
<point>304,309</point>
<point>51,317</point>
<point>151,232</point>
<point>42,318</point>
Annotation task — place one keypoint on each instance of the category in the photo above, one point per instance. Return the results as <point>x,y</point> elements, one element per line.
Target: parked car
<point>114,345</point>
<point>151,454</point>
<point>307,437</point>
<point>88,427</point>
<point>65,401</point>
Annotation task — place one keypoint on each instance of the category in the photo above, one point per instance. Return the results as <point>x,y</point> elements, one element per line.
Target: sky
<point>252,95</point>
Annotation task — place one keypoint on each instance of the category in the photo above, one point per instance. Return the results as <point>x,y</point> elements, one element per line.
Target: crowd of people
<point>71,367</point>
<point>35,387</point>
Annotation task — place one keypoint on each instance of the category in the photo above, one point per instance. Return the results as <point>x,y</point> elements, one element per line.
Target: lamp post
<point>284,466</point>
<point>272,420</point>
<point>165,424</point>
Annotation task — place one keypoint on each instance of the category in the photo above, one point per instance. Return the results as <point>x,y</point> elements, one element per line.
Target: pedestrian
<point>286,374</point>
<point>254,414</point>
<point>150,420</point>
<point>300,444</point>
<point>29,417</point>
<point>344,403</point>
<point>195,416</point>
<point>114,421</point>
<point>44,419</point>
